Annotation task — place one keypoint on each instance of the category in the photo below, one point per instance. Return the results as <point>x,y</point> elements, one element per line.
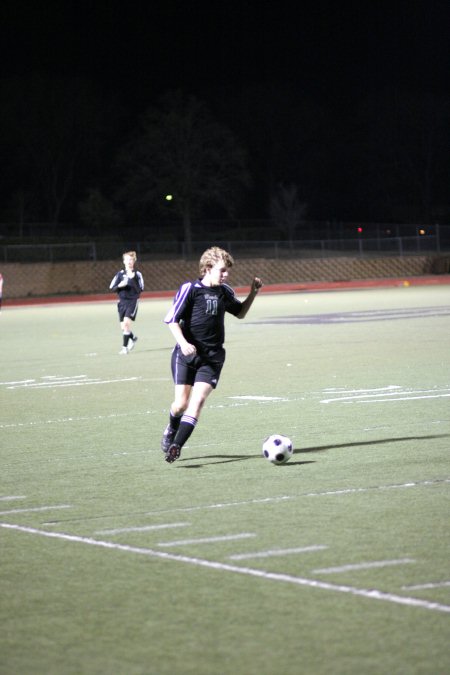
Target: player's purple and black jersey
<point>200,311</point>
<point>132,290</point>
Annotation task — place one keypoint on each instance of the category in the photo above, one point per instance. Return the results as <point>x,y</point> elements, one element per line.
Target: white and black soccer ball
<point>277,449</point>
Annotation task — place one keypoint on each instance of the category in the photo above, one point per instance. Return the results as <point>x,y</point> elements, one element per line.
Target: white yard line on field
<point>343,390</point>
<point>83,418</point>
<point>371,594</point>
<point>384,394</point>
<point>259,398</point>
<point>69,383</point>
<point>264,500</point>
<point>429,586</point>
<point>143,528</point>
<point>409,398</point>
<point>281,498</point>
<point>207,540</point>
<point>16,382</point>
<point>35,509</point>
<point>277,552</point>
<point>363,566</point>
<point>10,498</point>
<point>64,378</point>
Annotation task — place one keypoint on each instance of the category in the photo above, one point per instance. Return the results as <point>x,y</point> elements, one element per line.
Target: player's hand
<point>188,349</point>
<point>256,284</point>
<point>123,283</point>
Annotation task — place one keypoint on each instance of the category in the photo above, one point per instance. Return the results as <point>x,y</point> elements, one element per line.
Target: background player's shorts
<point>196,368</point>
<point>127,308</point>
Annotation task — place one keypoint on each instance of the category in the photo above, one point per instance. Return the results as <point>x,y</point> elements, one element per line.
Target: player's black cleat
<point>173,453</point>
<point>167,439</point>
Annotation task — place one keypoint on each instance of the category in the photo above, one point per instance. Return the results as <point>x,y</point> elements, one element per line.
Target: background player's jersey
<point>133,288</point>
<point>200,310</point>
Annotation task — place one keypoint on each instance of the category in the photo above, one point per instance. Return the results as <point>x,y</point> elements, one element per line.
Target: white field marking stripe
<point>207,540</point>
<point>84,418</point>
<point>342,390</point>
<point>258,398</point>
<point>420,587</point>
<point>10,498</point>
<point>63,377</point>
<point>35,510</point>
<point>412,393</point>
<point>390,391</point>
<point>222,506</point>
<point>363,566</point>
<point>276,552</point>
<point>144,528</point>
<point>379,487</point>
<point>406,398</point>
<point>372,594</point>
<point>18,382</point>
<point>281,498</point>
<point>49,385</point>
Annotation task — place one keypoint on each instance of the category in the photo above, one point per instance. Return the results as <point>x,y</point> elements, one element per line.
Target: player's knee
<point>178,407</point>
<point>196,405</point>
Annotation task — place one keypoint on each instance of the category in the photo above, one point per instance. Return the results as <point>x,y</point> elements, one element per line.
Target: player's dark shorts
<point>127,308</point>
<point>197,368</point>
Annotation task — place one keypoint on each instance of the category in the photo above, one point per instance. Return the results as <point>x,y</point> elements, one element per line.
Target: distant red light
<point>359,230</point>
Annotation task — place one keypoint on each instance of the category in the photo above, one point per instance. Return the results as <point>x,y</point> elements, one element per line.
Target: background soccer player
<point>196,320</point>
<point>129,284</point>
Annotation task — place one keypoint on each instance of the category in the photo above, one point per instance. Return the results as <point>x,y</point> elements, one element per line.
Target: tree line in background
<point>70,154</point>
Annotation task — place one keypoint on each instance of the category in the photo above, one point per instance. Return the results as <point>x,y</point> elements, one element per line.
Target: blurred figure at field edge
<point>196,320</point>
<point>128,283</point>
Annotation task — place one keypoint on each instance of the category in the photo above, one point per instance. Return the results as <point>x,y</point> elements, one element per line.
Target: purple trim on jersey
<point>178,302</point>
<point>183,291</point>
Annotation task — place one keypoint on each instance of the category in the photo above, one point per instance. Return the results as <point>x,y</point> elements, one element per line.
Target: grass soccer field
<point>115,562</point>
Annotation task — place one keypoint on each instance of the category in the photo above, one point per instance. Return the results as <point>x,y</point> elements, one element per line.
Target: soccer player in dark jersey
<point>128,283</point>
<point>196,320</point>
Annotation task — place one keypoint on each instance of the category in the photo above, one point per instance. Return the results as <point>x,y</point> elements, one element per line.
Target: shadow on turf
<point>225,459</point>
<point>322,448</point>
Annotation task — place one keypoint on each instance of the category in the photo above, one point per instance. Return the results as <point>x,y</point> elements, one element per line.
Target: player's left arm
<point>247,303</point>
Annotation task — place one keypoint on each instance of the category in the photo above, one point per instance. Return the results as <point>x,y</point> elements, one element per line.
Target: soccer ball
<point>277,449</point>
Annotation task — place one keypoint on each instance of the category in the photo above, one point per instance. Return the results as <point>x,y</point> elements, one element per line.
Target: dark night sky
<point>333,51</point>
<point>267,69</point>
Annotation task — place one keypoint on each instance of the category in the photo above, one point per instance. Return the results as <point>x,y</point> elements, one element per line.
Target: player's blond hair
<point>211,257</point>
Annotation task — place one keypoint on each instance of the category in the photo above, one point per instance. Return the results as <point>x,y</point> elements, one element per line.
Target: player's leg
<point>189,419</point>
<point>206,378</point>
<point>177,408</point>
<point>183,375</point>
<point>130,318</point>
<point>121,308</point>
<point>126,330</point>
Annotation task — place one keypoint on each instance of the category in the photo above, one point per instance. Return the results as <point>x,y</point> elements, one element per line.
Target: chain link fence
<point>314,248</point>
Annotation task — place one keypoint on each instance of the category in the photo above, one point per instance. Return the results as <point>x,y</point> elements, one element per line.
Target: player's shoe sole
<point>173,453</point>
<point>167,439</point>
